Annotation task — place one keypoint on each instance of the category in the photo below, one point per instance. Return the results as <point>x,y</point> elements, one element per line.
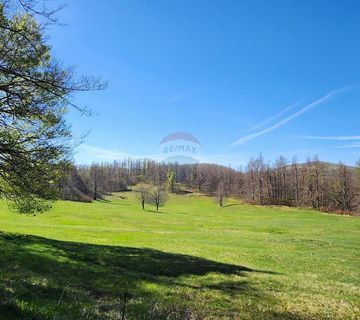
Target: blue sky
<point>244,77</point>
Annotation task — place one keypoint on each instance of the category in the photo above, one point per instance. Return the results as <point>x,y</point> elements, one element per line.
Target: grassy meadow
<point>191,260</point>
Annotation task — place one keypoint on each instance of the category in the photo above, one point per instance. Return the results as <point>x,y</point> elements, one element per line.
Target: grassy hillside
<point>192,260</point>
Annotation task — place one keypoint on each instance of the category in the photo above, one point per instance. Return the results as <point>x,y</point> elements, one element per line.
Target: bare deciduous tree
<point>142,193</point>
<point>220,193</point>
<point>312,184</point>
<point>157,196</point>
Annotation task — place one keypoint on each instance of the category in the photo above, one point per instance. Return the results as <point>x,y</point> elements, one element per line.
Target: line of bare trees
<point>324,186</point>
<point>150,194</point>
<point>314,184</point>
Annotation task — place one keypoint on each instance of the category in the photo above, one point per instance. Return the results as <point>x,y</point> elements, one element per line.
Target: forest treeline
<point>316,184</point>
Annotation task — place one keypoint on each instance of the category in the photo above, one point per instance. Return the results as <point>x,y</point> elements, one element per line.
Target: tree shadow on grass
<point>106,201</point>
<point>182,191</point>
<point>42,278</point>
<point>154,211</point>
<point>231,205</point>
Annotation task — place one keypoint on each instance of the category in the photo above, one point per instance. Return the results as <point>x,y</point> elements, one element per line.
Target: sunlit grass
<point>191,260</point>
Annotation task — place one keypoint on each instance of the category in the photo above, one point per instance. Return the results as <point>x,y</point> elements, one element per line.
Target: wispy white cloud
<point>354,138</point>
<point>177,97</point>
<point>350,146</point>
<point>315,103</point>
<point>95,153</point>
<point>330,138</point>
<point>88,154</point>
<point>183,95</point>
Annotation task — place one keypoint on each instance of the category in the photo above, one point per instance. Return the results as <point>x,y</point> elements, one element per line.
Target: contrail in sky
<point>253,136</point>
<point>261,124</point>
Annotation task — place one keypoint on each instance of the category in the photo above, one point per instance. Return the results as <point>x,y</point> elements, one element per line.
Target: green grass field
<point>191,260</point>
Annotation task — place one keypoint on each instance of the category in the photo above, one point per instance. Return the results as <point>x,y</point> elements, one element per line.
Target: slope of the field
<point>191,260</point>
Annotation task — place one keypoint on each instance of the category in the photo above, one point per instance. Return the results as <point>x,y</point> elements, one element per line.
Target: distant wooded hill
<point>324,186</point>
